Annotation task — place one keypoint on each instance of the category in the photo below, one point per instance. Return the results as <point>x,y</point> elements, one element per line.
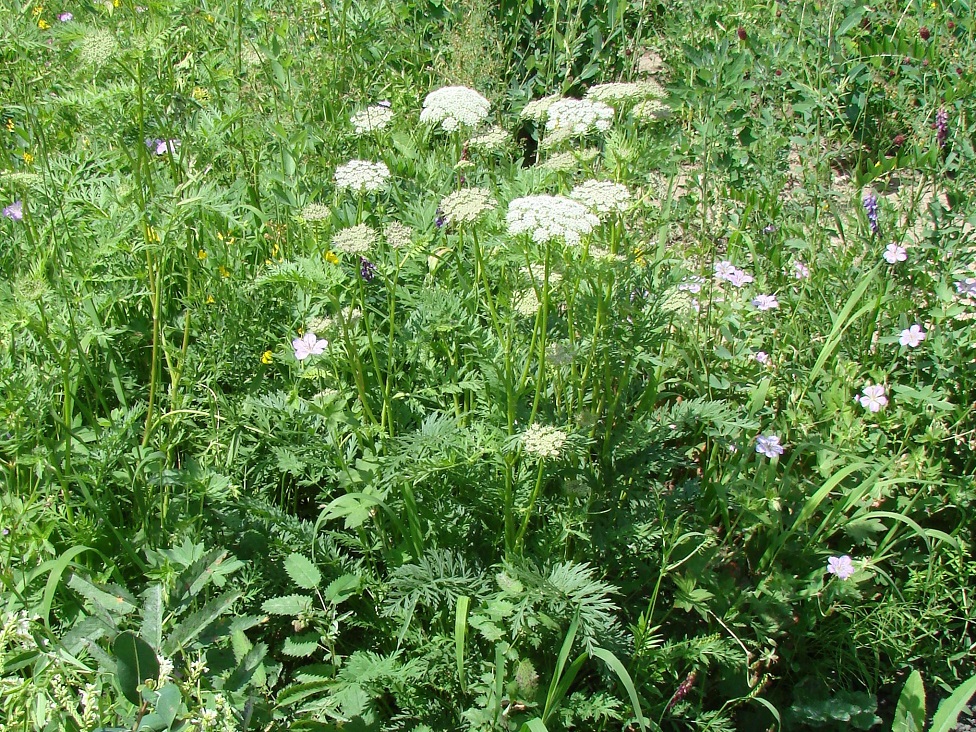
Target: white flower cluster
<point>543,441</point>
<point>316,212</point>
<point>97,48</point>
<point>537,273</point>
<point>397,235</point>
<point>466,206</point>
<point>578,116</point>
<point>550,217</point>
<point>625,91</point>
<point>375,117</point>
<point>357,239</point>
<point>362,176</point>
<point>526,303</point>
<point>650,110</point>
<point>537,109</point>
<point>453,106</point>
<point>494,139</point>
<point>602,196</point>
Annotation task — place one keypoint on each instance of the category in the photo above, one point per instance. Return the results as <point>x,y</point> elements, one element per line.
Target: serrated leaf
<point>195,577</point>
<point>302,572</point>
<point>314,672</point>
<point>247,668</point>
<point>287,605</point>
<point>342,588</point>
<point>302,645</point>
<point>135,663</point>
<point>152,616</point>
<point>114,603</point>
<point>195,623</point>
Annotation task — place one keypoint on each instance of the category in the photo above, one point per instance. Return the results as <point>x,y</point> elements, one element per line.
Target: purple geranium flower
<point>15,211</point>
<point>841,567</point>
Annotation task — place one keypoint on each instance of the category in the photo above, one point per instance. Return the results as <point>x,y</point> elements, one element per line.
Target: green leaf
<point>460,632</point>
<point>302,572</point>
<point>152,616</point>
<point>618,668</point>
<point>116,604</point>
<point>287,605</point>
<point>300,646</point>
<point>342,588</point>
<point>168,703</point>
<point>948,711</point>
<point>910,712</point>
<point>534,725</point>
<point>195,623</point>
<point>136,662</point>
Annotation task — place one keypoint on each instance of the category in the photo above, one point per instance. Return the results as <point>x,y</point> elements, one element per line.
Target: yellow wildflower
<point>210,300</point>
<point>43,24</point>
<point>202,254</point>
<point>10,125</point>
<point>267,357</point>
<point>224,272</point>
<point>28,158</point>
<point>38,9</point>
<point>331,258</point>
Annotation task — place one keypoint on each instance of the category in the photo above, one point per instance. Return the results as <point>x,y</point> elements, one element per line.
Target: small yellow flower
<point>274,250</point>
<point>224,272</point>
<point>220,236</point>
<point>267,357</point>
<point>202,254</point>
<point>38,9</point>
<point>10,125</point>
<point>28,158</point>
<point>210,300</point>
<point>331,258</point>
<point>117,3</point>
<point>640,261</point>
<point>210,18</point>
<point>43,24</point>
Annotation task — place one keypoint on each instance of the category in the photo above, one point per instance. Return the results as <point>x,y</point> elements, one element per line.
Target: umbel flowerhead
<point>454,106</point>
<point>362,176</point>
<point>466,206</point>
<point>550,217</point>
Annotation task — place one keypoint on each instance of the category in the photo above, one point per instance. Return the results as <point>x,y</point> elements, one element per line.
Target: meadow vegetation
<point>434,365</point>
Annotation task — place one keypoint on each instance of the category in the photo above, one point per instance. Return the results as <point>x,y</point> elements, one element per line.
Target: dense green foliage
<point>290,441</point>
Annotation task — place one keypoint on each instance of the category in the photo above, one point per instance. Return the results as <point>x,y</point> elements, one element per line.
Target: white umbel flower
<point>357,239</point>
<point>543,441</point>
<point>454,106</point>
<point>537,109</point>
<point>625,92</point>
<point>494,139</point>
<point>397,235</point>
<point>602,196</point>
<point>362,176</point>
<point>466,206</point>
<point>650,110</point>
<point>550,217</point>
<point>375,117</point>
<point>578,116</point>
